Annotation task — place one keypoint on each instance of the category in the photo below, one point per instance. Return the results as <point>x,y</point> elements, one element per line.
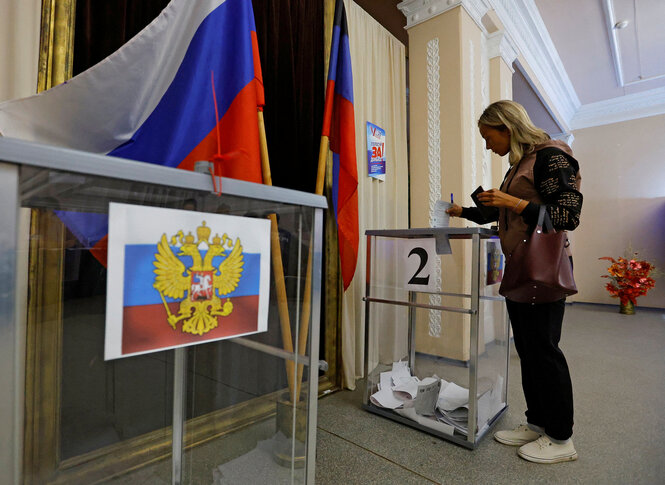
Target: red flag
<point>339,126</point>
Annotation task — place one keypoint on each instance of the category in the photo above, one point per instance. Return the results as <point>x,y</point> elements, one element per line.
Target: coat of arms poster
<point>178,278</point>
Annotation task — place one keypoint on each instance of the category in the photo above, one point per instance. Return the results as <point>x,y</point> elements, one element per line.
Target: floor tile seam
<point>378,455</point>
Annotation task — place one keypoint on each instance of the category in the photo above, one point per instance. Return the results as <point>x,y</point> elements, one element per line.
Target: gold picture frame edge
<point>56,43</point>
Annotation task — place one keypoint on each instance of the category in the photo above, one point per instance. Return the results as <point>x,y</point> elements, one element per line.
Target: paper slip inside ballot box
<point>408,386</point>
<point>452,396</point>
<point>385,398</point>
<point>401,369</point>
<point>386,380</point>
<point>428,393</point>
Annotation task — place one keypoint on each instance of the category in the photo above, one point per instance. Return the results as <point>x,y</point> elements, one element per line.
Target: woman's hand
<point>454,210</point>
<point>496,198</point>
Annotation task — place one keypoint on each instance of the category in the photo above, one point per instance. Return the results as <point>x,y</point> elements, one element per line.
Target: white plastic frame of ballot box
<point>475,234</point>
<point>15,154</point>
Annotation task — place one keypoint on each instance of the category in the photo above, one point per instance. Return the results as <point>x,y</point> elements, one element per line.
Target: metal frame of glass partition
<point>14,155</point>
<point>475,234</point>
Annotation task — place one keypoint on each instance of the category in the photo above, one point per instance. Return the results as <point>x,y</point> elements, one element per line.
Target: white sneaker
<point>543,450</point>
<point>516,437</point>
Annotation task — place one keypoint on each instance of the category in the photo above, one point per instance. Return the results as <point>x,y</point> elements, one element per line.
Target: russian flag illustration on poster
<point>178,278</point>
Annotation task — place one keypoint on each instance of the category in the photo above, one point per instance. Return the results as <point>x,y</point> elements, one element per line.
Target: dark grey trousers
<point>545,376</point>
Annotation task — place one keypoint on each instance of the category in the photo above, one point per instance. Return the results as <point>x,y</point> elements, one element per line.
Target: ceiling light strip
<point>614,44</point>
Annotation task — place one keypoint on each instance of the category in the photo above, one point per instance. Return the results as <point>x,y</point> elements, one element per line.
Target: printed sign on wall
<point>418,261</point>
<point>376,151</point>
<point>179,278</point>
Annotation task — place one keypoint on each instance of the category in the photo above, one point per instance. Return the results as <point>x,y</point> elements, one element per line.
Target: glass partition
<point>89,420</point>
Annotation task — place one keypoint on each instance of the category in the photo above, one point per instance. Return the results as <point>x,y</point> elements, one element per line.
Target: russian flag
<point>179,278</point>
<point>152,99</point>
<point>339,126</point>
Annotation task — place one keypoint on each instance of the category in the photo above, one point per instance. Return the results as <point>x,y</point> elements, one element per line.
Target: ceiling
<point>609,68</point>
<point>590,71</point>
<point>582,34</point>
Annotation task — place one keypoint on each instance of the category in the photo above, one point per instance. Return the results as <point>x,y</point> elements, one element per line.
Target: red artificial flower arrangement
<point>629,278</point>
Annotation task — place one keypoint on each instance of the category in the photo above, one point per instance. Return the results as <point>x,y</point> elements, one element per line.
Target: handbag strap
<point>544,217</point>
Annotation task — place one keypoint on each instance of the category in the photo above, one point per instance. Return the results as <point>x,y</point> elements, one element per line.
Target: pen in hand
<point>454,210</point>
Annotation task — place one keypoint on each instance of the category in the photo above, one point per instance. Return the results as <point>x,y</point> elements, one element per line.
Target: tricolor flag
<point>179,278</point>
<point>339,126</point>
<point>152,99</point>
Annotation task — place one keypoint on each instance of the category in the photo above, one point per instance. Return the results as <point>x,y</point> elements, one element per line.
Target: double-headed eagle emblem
<point>203,283</point>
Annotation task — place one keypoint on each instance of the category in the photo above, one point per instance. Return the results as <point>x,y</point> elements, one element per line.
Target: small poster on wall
<point>179,278</point>
<point>376,151</point>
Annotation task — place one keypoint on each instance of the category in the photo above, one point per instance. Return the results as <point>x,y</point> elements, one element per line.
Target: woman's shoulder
<point>553,158</point>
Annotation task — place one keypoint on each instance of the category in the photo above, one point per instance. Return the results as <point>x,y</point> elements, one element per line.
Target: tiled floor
<point>617,364</point>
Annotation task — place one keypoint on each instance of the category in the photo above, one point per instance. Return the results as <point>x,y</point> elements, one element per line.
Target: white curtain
<point>379,88</point>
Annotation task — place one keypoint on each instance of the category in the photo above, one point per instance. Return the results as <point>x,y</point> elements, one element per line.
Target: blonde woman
<point>542,171</point>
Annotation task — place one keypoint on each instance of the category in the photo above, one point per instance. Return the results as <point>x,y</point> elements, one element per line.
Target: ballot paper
<point>401,369</point>
<point>386,380</point>
<point>407,386</point>
<point>428,394</point>
<point>440,217</point>
<point>386,398</point>
<point>399,376</point>
<point>442,244</point>
<point>453,396</point>
<point>432,402</point>
<point>457,421</point>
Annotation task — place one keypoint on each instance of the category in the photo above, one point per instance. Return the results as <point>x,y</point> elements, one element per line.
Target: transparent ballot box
<point>236,406</point>
<point>436,330</point>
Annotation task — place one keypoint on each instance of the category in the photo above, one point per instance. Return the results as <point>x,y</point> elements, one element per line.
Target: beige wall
<point>623,183</point>
<point>19,47</point>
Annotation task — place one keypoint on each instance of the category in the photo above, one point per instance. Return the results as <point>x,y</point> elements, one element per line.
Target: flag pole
<point>324,146</point>
<point>307,296</point>
<point>278,267</point>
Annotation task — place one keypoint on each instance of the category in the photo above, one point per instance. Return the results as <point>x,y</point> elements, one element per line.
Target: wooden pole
<point>307,296</point>
<point>277,266</point>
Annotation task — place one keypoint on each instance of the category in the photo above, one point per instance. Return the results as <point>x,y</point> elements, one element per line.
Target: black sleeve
<point>554,177</point>
<point>474,215</point>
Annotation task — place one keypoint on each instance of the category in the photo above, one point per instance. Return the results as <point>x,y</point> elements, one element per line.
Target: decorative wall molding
<point>477,10</point>
<point>625,108</point>
<point>526,29</point>
<point>524,32</point>
<point>433,125</point>
<point>567,138</point>
<point>501,45</point>
<point>434,164</point>
<point>485,101</point>
<point>419,11</point>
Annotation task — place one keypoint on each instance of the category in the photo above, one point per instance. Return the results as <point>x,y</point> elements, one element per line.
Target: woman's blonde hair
<point>511,116</point>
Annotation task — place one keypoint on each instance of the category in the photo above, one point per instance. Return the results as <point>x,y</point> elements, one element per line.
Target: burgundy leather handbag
<point>539,269</point>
